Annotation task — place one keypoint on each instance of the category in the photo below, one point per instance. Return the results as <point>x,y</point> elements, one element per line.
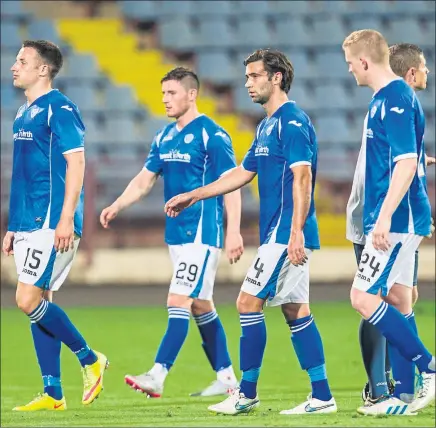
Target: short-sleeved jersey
<point>187,159</point>
<point>283,141</point>
<point>44,132</point>
<point>395,131</point>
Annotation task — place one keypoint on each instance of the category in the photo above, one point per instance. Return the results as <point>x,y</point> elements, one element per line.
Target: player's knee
<point>358,300</point>
<point>27,303</point>
<point>247,303</point>
<point>179,301</point>
<point>200,307</point>
<point>295,311</point>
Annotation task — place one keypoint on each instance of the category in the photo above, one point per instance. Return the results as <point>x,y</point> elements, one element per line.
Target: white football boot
<point>312,406</point>
<point>145,383</point>
<point>389,406</point>
<point>425,393</point>
<point>217,387</point>
<point>235,404</point>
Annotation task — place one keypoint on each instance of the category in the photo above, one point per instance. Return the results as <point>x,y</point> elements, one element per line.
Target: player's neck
<point>187,118</point>
<point>381,78</point>
<point>274,103</point>
<point>37,91</point>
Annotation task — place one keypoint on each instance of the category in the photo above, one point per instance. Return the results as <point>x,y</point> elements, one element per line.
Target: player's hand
<point>429,236</point>
<point>64,235</point>
<point>8,243</point>
<point>107,215</point>
<point>429,160</point>
<point>234,247</point>
<point>380,234</point>
<point>296,253</point>
<point>177,204</point>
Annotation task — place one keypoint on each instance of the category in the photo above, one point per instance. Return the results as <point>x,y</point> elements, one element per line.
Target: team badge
<point>188,138</point>
<point>34,111</point>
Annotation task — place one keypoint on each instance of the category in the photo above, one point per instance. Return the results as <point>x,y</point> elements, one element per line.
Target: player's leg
<point>215,347</point>
<point>373,347</point>
<point>42,269</point>
<point>403,370</point>
<point>377,272</point>
<point>307,342</point>
<point>260,283</point>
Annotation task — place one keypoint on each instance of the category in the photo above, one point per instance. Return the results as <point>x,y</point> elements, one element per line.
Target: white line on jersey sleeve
<point>299,163</point>
<point>78,149</point>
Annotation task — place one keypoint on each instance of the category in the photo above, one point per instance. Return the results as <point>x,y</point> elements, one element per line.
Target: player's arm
<point>235,179</point>
<point>138,187</point>
<point>399,123</point>
<point>429,160</point>
<point>234,242</point>
<point>68,138</point>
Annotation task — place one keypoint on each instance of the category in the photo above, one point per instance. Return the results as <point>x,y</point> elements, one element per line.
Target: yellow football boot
<point>43,402</point>
<point>93,378</point>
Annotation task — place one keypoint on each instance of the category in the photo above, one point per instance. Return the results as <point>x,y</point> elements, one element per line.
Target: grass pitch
<point>130,337</point>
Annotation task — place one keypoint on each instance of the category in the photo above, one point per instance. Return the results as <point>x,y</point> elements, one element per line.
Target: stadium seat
<point>176,35</point>
<point>82,66</point>
<point>223,8</point>
<point>361,97</point>
<point>216,67</point>
<point>253,33</point>
<point>11,97</point>
<point>83,95</point>
<point>6,129</point>
<point>407,30</point>
<point>328,31</point>
<point>44,29</point>
<point>303,97</point>
<point>14,10</point>
<point>243,103</point>
<point>94,134</point>
<point>121,130</point>
<point>291,33</point>
<point>249,8</point>
<point>332,96</point>
<point>152,126</point>
<point>361,22</point>
<point>414,7</point>
<point>332,65</point>
<point>379,7</point>
<point>10,36</point>
<point>214,32</point>
<point>121,99</point>
<point>335,164</point>
<point>303,67</point>
<point>332,130</point>
<point>427,98</point>
<point>7,61</point>
<point>181,9</point>
<point>292,8</point>
<point>144,10</point>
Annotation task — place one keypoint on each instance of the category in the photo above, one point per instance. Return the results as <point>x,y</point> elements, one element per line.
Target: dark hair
<point>274,62</point>
<point>183,75</point>
<point>404,56</point>
<point>50,54</point>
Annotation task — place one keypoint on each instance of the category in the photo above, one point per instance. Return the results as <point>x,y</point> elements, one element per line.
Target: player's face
<point>259,86</point>
<point>27,68</point>
<point>356,67</point>
<point>420,80</point>
<point>176,98</point>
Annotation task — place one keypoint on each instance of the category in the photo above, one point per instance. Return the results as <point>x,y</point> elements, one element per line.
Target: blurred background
<point>115,55</point>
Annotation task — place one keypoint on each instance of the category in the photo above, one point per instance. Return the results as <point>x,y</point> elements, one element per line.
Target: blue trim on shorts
<point>45,279</point>
<point>415,271</point>
<point>197,289</point>
<point>269,291</point>
<point>383,278</point>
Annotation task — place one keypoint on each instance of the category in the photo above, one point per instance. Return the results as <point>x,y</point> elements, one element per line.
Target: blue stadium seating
<point>83,95</point>
<point>44,29</point>
<point>176,35</point>
<point>82,66</point>
<point>214,32</point>
<point>144,10</point>
<point>217,8</point>
<point>253,33</point>
<point>217,67</point>
<point>181,9</point>
<point>243,103</point>
<point>13,10</point>
<point>291,33</point>
<point>10,36</point>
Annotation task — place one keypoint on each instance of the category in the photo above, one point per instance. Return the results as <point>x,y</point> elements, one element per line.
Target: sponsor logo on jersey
<point>261,151</point>
<point>29,272</point>
<point>369,133</point>
<point>295,123</point>
<point>189,138</point>
<point>35,110</point>
<point>175,156</point>
<point>23,135</point>
<point>397,110</point>
<point>67,107</point>
<point>252,281</point>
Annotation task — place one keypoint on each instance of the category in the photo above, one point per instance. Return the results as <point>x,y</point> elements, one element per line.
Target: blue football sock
<point>403,370</point>
<point>56,321</point>
<point>398,331</point>
<point>214,340</point>
<point>252,347</point>
<point>308,347</point>
<point>172,342</point>
<point>373,347</point>
<point>48,352</point>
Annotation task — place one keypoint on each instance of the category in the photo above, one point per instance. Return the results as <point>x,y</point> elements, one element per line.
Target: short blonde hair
<point>371,42</point>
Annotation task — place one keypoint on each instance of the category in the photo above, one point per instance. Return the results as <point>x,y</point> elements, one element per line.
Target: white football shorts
<point>380,270</point>
<point>37,261</point>
<point>195,267</point>
<point>273,278</point>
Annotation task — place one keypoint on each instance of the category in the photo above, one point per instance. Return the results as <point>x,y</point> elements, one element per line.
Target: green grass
<point>130,337</point>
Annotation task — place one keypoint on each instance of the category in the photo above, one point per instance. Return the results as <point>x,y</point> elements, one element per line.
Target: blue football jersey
<point>284,140</point>
<point>193,157</point>
<point>395,131</point>
<point>43,132</point>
